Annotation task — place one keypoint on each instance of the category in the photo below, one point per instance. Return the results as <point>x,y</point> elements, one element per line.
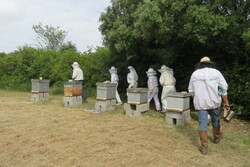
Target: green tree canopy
<point>178,33</point>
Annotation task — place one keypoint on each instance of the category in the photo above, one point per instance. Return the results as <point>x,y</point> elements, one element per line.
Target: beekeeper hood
<point>133,72</point>
<point>164,68</point>
<point>113,70</point>
<point>151,72</point>
<point>75,65</point>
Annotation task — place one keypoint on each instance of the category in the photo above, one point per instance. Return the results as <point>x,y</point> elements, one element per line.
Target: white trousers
<point>164,95</point>
<point>117,96</point>
<point>154,94</point>
<point>133,85</point>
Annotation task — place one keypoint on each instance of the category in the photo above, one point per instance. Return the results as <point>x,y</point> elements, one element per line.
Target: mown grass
<point>48,134</point>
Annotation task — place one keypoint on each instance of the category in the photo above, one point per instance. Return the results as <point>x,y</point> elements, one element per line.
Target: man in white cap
<point>167,81</point>
<point>208,87</point>
<point>132,77</point>
<point>115,79</point>
<point>78,76</point>
<point>153,88</point>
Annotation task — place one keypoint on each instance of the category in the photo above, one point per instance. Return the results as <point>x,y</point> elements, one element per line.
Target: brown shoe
<point>217,135</point>
<point>204,144</point>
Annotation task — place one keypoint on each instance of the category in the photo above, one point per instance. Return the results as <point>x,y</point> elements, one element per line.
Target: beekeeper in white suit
<point>153,88</point>
<point>78,76</point>
<point>167,81</point>
<point>115,79</point>
<point>132,77</point>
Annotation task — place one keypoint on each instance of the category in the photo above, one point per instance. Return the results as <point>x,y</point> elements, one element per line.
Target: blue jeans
<point>84,96</point>
<point>215,118</point>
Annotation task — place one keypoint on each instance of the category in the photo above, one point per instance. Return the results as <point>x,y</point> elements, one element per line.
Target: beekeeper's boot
<point>217,135</point>
<point>204,144</point>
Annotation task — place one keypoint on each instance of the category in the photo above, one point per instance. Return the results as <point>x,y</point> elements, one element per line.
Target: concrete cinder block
<point>130,112</point>
<point>39,96</point>
<point>139,113</point>
<point>142,107</point>
<point>178,118</point>
<point>72,101</point>
<point>105,105</point>
<point>136,109</point>
<point>180,115</point>
<point>113,102</point>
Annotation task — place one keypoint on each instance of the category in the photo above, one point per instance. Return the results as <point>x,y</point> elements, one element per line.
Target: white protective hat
<point>112,70</point>
<point>75,64</point>
<point>206,59</point>
<point>163,69</point>
<point>151,72</point>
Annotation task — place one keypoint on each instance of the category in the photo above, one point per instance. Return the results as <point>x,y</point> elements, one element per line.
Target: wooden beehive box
<point>72,88</point>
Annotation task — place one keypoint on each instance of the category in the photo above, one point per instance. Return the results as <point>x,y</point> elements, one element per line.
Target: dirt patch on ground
<point>49,134</point>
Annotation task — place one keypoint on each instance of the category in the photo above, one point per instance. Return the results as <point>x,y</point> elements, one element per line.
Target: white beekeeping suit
<point>132,78</point>
<point>115,79</point>
<point>78,76</point>
<point>167,81</point>
<point>153,88</point>
<point>77,72</point>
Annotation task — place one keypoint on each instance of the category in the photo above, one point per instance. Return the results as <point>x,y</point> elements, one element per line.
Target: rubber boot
<point>204,144</point>
<point>217,135</point>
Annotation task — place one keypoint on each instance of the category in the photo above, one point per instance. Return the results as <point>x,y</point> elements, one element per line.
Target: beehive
<point>40,85</point>
<point>178,101</point>
<point>137,95</point>
<point>106,91</point>
<point>72,88</point>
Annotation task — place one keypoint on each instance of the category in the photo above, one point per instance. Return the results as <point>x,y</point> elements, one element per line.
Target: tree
<point>68,46</point>
<point>49,37</point>
<point>149,33</point>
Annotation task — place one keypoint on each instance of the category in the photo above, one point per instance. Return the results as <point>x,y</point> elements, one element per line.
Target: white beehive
<point>178,101</point>
<point>106,91</point>
<point>40,85</point>
<point>137,95</point>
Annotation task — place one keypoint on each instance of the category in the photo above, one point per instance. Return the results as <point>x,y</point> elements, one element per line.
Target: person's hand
<point>227,106</point>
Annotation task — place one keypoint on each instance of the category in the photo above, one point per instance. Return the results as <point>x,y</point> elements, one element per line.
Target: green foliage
<point>68,46</point>
<point>27,63</point>
<point>239,90</point>
<point>149,33</point>
<point>49,37</point>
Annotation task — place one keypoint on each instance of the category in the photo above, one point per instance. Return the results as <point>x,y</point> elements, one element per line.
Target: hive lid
<point>73,83</point>
<point>137,90</point>
<point>178,94</point>
<point>106,84</point>
<point>40,80</point>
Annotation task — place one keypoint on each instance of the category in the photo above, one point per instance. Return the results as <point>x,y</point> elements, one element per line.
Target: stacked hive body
<point>72,94</point>
<point>105,98</point>
<point>40,89</point>
<point>178,112</point>
<point>137,103</point>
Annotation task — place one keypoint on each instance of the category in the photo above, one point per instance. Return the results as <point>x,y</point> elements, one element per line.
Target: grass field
<point>48,134</point>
